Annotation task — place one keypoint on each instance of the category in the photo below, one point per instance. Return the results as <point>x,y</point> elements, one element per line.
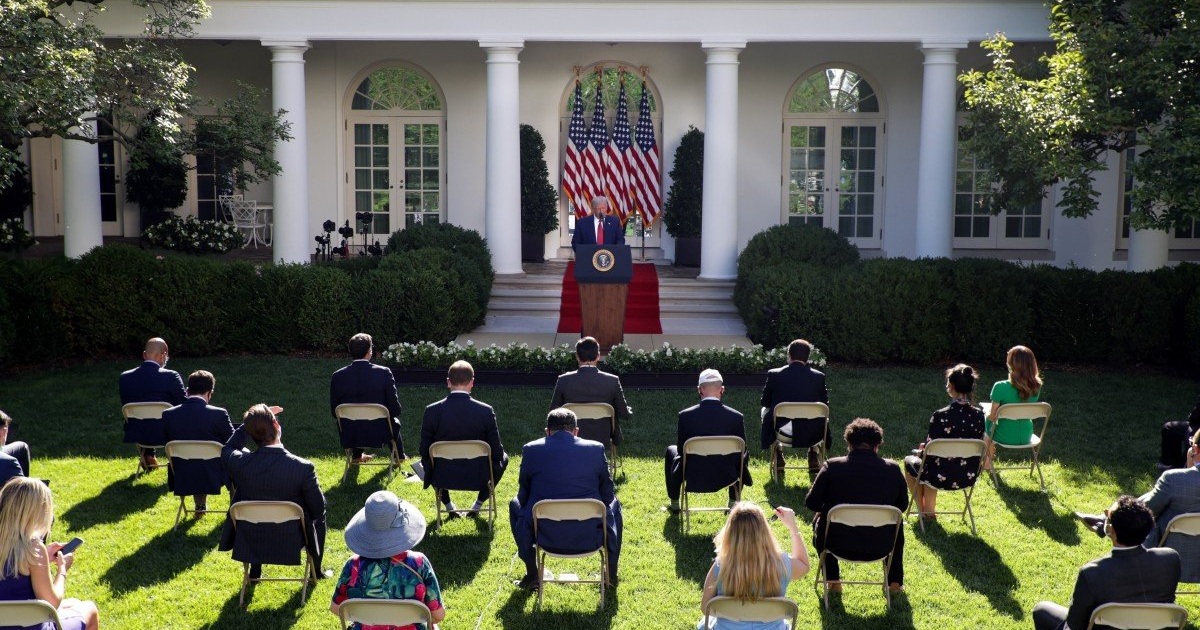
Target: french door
<point>396,172</point>
<point>834,177</point>
<point>112,190</point>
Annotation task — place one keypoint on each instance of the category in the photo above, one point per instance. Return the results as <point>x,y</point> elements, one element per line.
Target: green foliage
<point>988,288</point>
<point>683,211</point>
<point>539,203</point>
<point>242,135</point>
<point>17,195</point>
<point>157,177</point>
<point>430,292</point>
<point>797,243</point>
<point>1121,75</point>
<point>464,244</point>
<point>13,235</point>
<point>194,236</point>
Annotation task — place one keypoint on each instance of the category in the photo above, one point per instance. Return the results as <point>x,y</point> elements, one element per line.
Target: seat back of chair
<point>596,421</point>
<point>763,610</point>
<point>810,421</point>
<point>704,477</point>
<point>566,511</point>
<point>861,532</point>
<point>863,515</point>
<point>1013,411</point>
<point>460,449</point>
<point>957,448</point>
<point>372,428</point>
<point>385,612</point>
<point>460,464</point>
<point>144,410</point>
<point>801,410</point>
<point>195,467</point>
<point>243,210</point>
<point>714,445</point>
<point>361,411</point>
<point>30,612</point>
<point>1185,524</point>
<point>266,512</point>
<point>1139,616</point>
<point>193,449</point>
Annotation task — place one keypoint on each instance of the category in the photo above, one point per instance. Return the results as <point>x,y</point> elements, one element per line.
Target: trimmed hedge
<point>796,243</point>
<point>110,300</point>
<point>926,311</point>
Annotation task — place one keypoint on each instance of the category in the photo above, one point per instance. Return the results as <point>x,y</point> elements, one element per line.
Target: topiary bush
<point>797,243</point>
<point>464,245</point>
<point>993,306</point>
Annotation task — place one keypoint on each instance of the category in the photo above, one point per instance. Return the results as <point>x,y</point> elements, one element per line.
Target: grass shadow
<point>513,615</point>
<point>1033,509</point>
<point>693,550</point>
<point>165,556</point>
<point>976,565</point>
<point>116,501</point>
<point>345,498</point>
<point>780,493</point>
<point>898,615</point>
<point>467,541</point>
<point>285,616</point>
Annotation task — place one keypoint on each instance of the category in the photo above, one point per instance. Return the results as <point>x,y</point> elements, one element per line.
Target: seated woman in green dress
<point>1024,384</point>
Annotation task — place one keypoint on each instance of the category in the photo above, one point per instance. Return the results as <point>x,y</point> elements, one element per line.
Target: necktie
<point>599,231</point>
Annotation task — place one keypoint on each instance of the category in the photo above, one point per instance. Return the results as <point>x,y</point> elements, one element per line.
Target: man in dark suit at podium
<point>598,228</point>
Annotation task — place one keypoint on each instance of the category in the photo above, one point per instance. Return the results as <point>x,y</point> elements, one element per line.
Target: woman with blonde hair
<point>1024,384</point>
<point>26,511</point>
<point>749,563</point>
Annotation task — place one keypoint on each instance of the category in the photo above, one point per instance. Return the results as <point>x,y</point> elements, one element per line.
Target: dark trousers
<point>357,452</point>
<point>1175,437</point>
<point>1049,616</point>
<point>522,529</point>
<point>19,451</point>
<point>498,469</point>
<point>833,570</point>
<point>673,471</point>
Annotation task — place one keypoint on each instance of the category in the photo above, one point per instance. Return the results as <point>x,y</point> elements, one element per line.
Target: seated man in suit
<point>1131,573</point>
<point>196,419</point>
<point>460,417</point>
<point>365,382</point>
<point>862,476</point>
<point>152,382</point>
<point>710,417</point>
<point>271,473</point>
<point>589,385</point>
<point>14,460</point>
<point>563,466</point>
<point>598,228</point>
<point>1176,492</point>
<point>1175,437</point>
<point>794,382</point>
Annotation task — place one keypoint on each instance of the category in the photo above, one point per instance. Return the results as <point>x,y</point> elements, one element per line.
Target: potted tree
<point>539,203</point>
<point>682,213</point>
<point>157,177</point>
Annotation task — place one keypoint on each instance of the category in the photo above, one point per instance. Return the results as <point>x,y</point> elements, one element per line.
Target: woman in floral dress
<point>959,419</point>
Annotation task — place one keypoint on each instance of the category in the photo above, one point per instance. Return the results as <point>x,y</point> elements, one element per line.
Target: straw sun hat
<point>385,527</point>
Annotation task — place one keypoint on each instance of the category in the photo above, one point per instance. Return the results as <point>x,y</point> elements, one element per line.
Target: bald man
<point>152,382</point>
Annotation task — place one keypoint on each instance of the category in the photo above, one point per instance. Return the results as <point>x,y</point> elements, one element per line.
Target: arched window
<point>833,142</point>
<point>396,123</point>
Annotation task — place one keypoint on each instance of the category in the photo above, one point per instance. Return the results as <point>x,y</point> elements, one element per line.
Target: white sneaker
<point>475,508</point>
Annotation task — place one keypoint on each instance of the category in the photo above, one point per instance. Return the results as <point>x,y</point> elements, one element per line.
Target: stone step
<point>520,292</point>
<point>692,309</point>
<point>507,306</point>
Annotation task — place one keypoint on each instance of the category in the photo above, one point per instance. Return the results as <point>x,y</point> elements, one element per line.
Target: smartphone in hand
<point>71,546</point>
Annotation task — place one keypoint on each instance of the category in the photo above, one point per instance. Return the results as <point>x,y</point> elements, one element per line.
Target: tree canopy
<point>1123,74</point>
<point>56,67</point>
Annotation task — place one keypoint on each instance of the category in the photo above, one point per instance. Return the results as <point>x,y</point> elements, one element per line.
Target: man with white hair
<point>599,227</point>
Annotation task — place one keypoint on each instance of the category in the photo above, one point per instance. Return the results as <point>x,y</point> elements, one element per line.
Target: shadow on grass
<point>1033,509</point>
<point>285,616</point>
<point>780,493</point>
<point>898,615</point>
<point>116,501</point>
<point>976,565</point>
<point>466,550</point>
<point>693,550</point>
<point>345,498</point>
<point>166,555</point>
<point>512,614</point>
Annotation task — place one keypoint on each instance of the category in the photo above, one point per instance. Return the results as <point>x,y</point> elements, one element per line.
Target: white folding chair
<point>462,450</point>
<point>356,412</point>
<point>952,449</point>
<point>598,422</point>
<point>763,610</point>
<point>1015,411</point>
<point>704,446</point>
<point>570,510</point>
<point>797,413</point>
<point>193,450</point>
<point>1182,525</point>
<point>247,220</point>
<point>30,612</point>
<point>144,412</point>
<point>384,613</point>
<point>1139,616</point>
<point>273,512</point>
<point>859,515</point>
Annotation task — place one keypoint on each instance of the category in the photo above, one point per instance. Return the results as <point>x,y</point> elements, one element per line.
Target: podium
<point>603,273</point>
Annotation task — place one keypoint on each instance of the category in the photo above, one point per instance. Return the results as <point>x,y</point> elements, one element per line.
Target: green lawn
<point>1102,441</point>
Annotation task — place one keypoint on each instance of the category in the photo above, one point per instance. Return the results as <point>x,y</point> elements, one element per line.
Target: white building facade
<point>842,114</point>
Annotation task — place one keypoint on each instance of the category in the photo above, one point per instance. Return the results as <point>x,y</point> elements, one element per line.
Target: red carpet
<point>641,307</point>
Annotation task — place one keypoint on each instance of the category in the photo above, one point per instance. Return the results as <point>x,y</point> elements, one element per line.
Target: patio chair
<point>464,465</point>
<point>144,429</point>
<point>263,536</point>
<point>1139,616</point>
<point>807,427</point>
<point>367,426</point>
<point>851,517</point>
<point>1014,411</point>
<point>248,221</point>
<point>712,463</point>
<point>598,422</point>
<point>194,468</point>
<point>561,511</point>
<point>384,613</point>
<point>952,449</point>
<point>763,610</point>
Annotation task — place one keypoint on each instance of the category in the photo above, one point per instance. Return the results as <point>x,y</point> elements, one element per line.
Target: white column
<point>82,227</point>
<point>718,236</point>
<point>1148,249</point>
<point>290,188</point>
<point>502,156</point>
<point>935,161</point>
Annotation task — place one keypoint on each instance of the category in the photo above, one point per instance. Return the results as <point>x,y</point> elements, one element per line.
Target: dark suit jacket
<point>585,231</point>
<point>794,382</point>
<point>150,383</point>
<point>1135,574</point>
<point>860,477</point>
<point>459,417</point>
<point>196,420</point>
<point>589,385</point>
<point>562,466</point>
<point>9,468</point>
<point>711,417</point>
<point>269,474</point>
<point>364,382</point>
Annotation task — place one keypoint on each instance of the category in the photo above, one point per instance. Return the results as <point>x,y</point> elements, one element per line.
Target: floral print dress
<point>406,575</point>
<point>956,420</point>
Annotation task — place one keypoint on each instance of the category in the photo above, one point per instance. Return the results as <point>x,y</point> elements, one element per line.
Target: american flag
<point>593,155</point>
<point>573,176</point>
<point>645,179</point>
<point>616,171</point>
